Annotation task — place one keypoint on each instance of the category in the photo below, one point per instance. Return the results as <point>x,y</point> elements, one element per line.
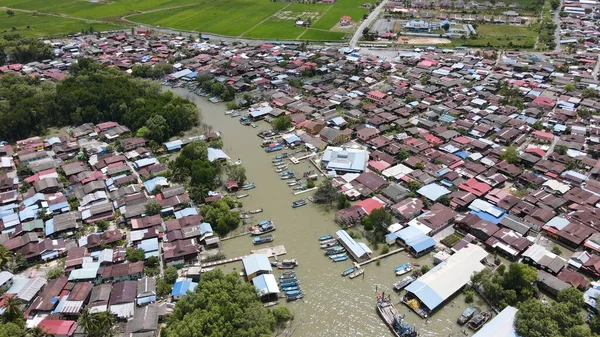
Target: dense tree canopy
<point>220,215</point>
<point>222,305</point>
<point>508,288</point>
<point>326,193</point>
<point>94,94</point>
<point>17,49</point>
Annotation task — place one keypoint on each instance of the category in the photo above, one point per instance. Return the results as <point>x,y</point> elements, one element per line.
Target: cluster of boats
<point>403,269</point>
<point>403,283</point>
<point>332,248</point>
<point>393,318</point>
<point>353,272</point>
<point>285,264</point>
<point>262,227</point>
<point>474,318</point>
<point>290,285</point>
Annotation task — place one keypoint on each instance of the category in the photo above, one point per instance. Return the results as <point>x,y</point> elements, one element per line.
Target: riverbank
<point>333,305</point>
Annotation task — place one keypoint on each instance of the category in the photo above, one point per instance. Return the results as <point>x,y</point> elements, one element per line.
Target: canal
<point>332,306</point>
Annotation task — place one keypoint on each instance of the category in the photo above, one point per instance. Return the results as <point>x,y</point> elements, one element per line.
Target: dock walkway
<point>381,256</point>
<point>235,236</point>
<point>268,251</point>
<point>297,160</point>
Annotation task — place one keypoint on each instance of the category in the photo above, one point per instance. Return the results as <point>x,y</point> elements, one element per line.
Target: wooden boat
<point>404,282</point>
<point>240,196</point>
<point>403,269</point>
<point>341,258</point>
<point>348,272</point>
<point>235,114</point>
<point>262,227</point>
<point>357,273</point>
<point>259,240</point>
<point>467,315</point>
<point>288,280</point>
<point>290,283</point>
<point>229,112</point>
<point>281,156</point>
<point>246,216</point>
<point>393,319</point>
<point>270,304</point>
<point>292,262</point>
<point>293,183</point>
<point>299,203</point>
<point>288,274</point>
<point>479,320</point>
<point>328,244</point>
<point>325,237</point>
<point>292,288</point>
<point>298,296</point>
<point>335,250</point>
<point>248,186</point>
<point>254,125</point>
<point>256,211</point>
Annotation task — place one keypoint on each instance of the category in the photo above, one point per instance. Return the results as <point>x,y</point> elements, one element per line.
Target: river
<point>332,306</point>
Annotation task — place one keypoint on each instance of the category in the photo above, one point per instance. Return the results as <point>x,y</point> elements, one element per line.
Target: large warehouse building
<point>448,277</point>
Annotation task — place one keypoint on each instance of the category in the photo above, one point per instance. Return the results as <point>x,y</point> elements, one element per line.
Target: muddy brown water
<point>333,305</point>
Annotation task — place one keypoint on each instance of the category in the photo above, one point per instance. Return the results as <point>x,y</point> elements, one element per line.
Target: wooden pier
<point>220,262</point>
<point>396,251</point>
<point>308,190</point>
<point>297,160</point>
<point>236,235</point>
<point>268,251</point>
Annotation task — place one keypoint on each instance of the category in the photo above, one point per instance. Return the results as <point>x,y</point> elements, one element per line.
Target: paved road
<point>551,148</point>
<point>366,23</point>
<point>557,23</point>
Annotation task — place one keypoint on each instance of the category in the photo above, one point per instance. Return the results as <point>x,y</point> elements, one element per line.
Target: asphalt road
<point>366,23</point>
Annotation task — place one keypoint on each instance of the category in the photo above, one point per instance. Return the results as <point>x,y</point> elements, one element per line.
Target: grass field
<point>246,18</point>
<point>502,36</point>
<point>40,26</point>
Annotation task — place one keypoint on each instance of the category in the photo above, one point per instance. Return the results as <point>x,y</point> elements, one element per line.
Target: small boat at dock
<point>287,264</point>
<point>248,186</point>
<point>290,283</point>
<point>288,280</point>
<point>467,315</point>
<point>270,304</point>
<point>235,114</point>
<point>299,203</point>
<point>276,161</point>
<point>293,292</point>
<point>479,320</point>
<point>256,211</point>
<point>277,170</point>
<point>229,112</point>
<point>403,269</point>
<point>404,282</point>
<point>290,288</point>
<point>253,125</point>
<point>262,227</point>
<point>288,274</point>
<point>348,272</point>
<point>298,296</point>
<point>325,237</point>
<point>335,250</point>
<point>341,258</point>
<point>357,273</point>
<point>393,319</point>
<point>259,240</point>
<point>281,156</point>
<point>300,188</point>
<point>293,183</point>
<point>335,256</point>
<point>240,196</point>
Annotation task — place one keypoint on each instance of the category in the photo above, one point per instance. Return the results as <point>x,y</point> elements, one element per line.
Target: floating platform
<point>297,160</point>
<point>270,251</point>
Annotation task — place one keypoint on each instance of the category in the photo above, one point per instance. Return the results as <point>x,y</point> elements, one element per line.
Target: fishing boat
<point>325,237</point>
<point>259,210</point>
<point>288,274</point>
<point>281,169</point>
<point>229,112</point>
<point>299,203</point>
<point>335,250</point>
<point>290,288</point>
<point>240,196</point>
<point>348,272</point>
<point>287,264</point>
<point>291,176</point>
<point>467,315</point>
<point>298,296</point>
<point>235,114</point>
<point>288,280</point>
<point>293,292</point>
<point>403,269</point>
<point>259,240</point>
<point>248,186</point>
<point>293,183</point>
<point>262,227</point>
<point>290,283</point>
<point>280,165</point>
<point>392,317</point>
<point>245,216</point>
<point>357,273</point>
<point>282,156</point>
<point>286,173</point>
<point>335,256</point>
<point>404,282</point>
<point>341,258</point>
<point>479,320</point>
<point>277,161</point>
<point>301,188</point>
<point>254,125</point>
<point>274,148</point>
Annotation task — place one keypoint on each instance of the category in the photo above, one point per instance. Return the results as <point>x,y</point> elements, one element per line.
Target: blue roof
<point>501,325</point>
<point>416,239</point>
<point>256,262</point>
<point>174,145</point>
<point>150,184</point>
<point>186,212</point>
<point>265,284</point>
<point>59,206</point>
<point>356,249</point>
<point>146,300</point>
<point>433,191</point>
<point>425,294</point>
<point>216,154</point>
<point>149,245</point>
<point>292,139</point>
<point>145,162</point>
<point>49,227</point>
<point>205,227</point>
<point>462,154</point>
<point>181,287</point>
<point>338,120</point>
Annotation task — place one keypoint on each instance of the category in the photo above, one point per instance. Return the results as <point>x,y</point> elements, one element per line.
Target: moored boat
<point>254,125</point>
<point>479,320</point>
<point>348,272</point>
<point>335,250</point>
<point>357,273</point>
<point>335,256</point>
<point>393,319</point>
<point>259,240</point>
<point>262,227</point>
<point>299,203</point>
<point>293,183</point>
<point>277,161</point>
<point>341,258</point>
<point>288,274</point>
<point>281,156</point>
<point>403,269</point>
<point>467,315</point>
<point>404,282</point>
<point>240,196</point>
<point>248,186</point>
<point>325,237</point>
<point>294,297</point>
<point>290,283</point>
<point>256,211</point>
<point>290,288</point>
<point>288,280</point>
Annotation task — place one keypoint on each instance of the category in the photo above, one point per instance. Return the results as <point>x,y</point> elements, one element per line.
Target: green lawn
<point>502,36</point>
<point>322,35</point>
<point>340,8</point>
<point>276,29</point>
<point>40,26</point>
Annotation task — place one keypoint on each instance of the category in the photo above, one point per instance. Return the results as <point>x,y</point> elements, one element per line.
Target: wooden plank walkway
<point>381,256</point>
<point>308,190</point>
<point>235,236</point>
<point>220,262</point>
<point>268,251</point>
<point>297,160</point>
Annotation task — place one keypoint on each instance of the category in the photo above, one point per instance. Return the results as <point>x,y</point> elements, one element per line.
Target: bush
<point>425,268</point>
<point>385,249</point>
<point>469,296</point>
<point>282,315</point>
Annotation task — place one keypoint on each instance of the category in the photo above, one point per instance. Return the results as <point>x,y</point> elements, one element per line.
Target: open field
<point>242,18</point>
<point>43,25</point>
<point>501,36</point>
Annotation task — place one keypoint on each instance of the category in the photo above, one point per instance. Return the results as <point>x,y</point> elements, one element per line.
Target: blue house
<point>181,287</point>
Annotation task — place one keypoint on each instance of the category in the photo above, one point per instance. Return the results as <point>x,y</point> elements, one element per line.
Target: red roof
<point>475,186</point>
<point>536,151</point>
<point>543,135</point>
<point>58,327</point>
<point>379,165</point>
<point>377,94</point>
<point>369,205</point>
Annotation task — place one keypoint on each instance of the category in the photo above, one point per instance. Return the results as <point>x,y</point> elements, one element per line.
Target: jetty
<point>268,251</point>
<point>235,236</point>
<point>297,160</point>
<point>308,190</point>
<point>220,262</point>
<point>396,251</point>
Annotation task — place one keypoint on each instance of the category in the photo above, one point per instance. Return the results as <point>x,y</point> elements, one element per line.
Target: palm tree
<point>37,332</point>
<point>5,256</point>
<point>97,325</point>
<point>86,321</point>
<point>11,308</point>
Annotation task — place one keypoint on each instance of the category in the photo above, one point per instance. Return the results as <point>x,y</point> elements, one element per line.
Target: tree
<point>570,87</point>
<point>402,155</point>
<point>413,185</point>
<point>556,250</point>
<point>222,305</point>
<point>342,202</point>
<point>158,128</point>
<point>10,12</point>
<point>37,331</point>
<point>24,171</point>
<point>282,123</point>
<point>425,268</point>
<point>561,149</point>
<point>584,112</point>
<point>153,208</point>
<point>380,219</point>
<point>326,193</point>
<point>12,310</point>
<point>595,324</point>
<point>163,288</point>
<point>510,155</point>
<point>446,26</point>
<point>282,316</point>
<point>589,93</point>
<point>237,173</point>
<point>171,275</point>
<point>220,215</point>
<point>55,273</point>
<point>10,329</point>
<point>102,225</point>
<point>134,254</point>
<point>5,257</point>
<point>98,324</point>
<point>533,320</point>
